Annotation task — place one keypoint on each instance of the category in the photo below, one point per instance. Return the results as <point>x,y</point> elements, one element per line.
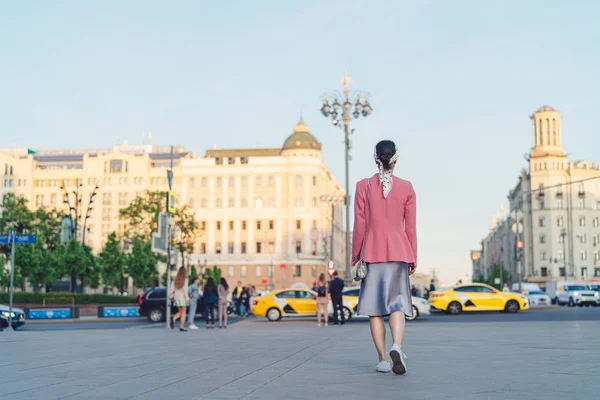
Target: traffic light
<point>520,246</point>
<point>330,267</point>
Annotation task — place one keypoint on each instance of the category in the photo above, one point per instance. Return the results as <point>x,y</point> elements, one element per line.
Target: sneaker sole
<point>398,368</point>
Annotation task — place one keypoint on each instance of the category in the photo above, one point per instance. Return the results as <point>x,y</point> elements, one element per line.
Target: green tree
<point>14,215</point>
<point>142,263</point>
<point>112,261</point>
<point>35,264</point>
<point>91,273</point>
<point>193,272</point>
<point>142,214</point>
<point>187,228</point>
<point>74,261</point>
<point>498,270</point>
<point>214,273</point>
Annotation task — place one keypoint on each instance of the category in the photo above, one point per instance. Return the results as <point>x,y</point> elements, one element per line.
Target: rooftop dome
<point>301,139</point>
<point>545,109</point>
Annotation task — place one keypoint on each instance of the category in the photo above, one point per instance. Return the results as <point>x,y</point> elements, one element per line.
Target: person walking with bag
<point>336,286</point>
<point>211,298</point>
<point>385,239</point>
<point>178,292</point>
<point>322,300</point>
<point>223,291</point>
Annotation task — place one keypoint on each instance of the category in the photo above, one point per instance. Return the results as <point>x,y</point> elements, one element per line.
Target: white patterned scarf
<point>386,176</point>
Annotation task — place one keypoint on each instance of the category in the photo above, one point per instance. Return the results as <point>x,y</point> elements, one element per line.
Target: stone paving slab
<point>296,360</point>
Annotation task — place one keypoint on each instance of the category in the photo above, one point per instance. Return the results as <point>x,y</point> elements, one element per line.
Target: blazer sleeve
<point>410,220</point>
<point>358,233</point>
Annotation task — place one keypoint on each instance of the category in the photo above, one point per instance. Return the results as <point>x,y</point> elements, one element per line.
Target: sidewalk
<point>258,360</point>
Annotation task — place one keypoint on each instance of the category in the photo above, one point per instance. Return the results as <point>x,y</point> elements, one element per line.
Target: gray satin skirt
<point>385,290</point>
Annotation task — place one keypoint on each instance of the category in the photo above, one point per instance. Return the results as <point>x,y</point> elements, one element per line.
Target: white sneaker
<point>383,366</point>
<point>398,357</point>
<point>192,327</point>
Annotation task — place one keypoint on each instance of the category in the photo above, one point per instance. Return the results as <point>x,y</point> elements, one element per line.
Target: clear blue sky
<point>453,83</point>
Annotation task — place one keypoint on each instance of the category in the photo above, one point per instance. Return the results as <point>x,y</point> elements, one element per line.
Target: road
<point>550,354</point>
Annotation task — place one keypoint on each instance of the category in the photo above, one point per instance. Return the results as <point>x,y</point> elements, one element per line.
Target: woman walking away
<point>211,297</point>
<point>322,300</point>
<point>194,293</point>
<point>385,238</point>
<point>223,290</point>
<point>178,292</point>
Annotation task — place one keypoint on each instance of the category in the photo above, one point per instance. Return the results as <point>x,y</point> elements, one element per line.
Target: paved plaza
<point>532,355</point>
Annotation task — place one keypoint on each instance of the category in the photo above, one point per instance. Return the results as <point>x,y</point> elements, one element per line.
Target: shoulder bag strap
<point>362,249</point>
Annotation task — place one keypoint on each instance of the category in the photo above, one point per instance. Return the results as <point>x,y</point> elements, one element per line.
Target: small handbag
<point>359,271</point>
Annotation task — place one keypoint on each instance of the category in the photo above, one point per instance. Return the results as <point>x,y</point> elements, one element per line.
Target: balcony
<point>559,195</point>
<point>581,194</point>
<point>540,196</point>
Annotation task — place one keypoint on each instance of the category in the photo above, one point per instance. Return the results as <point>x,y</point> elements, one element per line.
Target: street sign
<point>171,201</point>
<point>19,239</point>
<point>282,266</point>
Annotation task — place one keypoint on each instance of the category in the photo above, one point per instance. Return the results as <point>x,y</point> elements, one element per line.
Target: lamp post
<point>341,112</point>
<point>75,209</point>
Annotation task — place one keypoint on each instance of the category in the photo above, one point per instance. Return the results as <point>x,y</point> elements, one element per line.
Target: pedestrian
<point>237,298</point>
<point>336,286</point>
<point>211,297</point>
<point>413,290</point>
<point>245,301</point>
<point>431,287</point>
<point>194,294</point>
<point>178,293</point>
<point>223,291</point>
<point>322,300</point>
<point>425,293</point>
<point>505,288</point>
<point>385,238</point>
<point>252,293</point>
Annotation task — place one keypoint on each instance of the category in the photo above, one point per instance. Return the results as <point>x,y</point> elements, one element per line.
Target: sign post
<point>14,239</point>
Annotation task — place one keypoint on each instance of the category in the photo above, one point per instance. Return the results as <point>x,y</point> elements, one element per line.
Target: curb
<point>84,320</point>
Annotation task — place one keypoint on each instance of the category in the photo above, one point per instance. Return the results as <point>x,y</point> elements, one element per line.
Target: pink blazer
<point>390,224</point>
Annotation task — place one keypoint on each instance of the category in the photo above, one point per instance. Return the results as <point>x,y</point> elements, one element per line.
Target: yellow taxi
<point>419,306</point>
<point>477,297</point>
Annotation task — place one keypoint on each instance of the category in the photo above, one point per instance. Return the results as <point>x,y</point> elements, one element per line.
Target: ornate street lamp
<point>343,108</point>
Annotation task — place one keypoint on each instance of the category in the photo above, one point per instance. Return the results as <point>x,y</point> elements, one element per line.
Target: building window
<point>583,255</point>
<point>230,225</point>
<point>544,271</point>
<point>218,248</point>
<point>204,203</point>
<point>298,224</point>
<point>107,199</point>
<point>584,273</point>
<point>258,247</point>
<point>271,247</point>
<point>298,271</point>
<point>298,247</point>
<point>314,271</point>
<point>271,271</point>
<point>244,202</point>
<point>203,182</point>
<point>271,202</point>
<point>258,225</point>
<point>561,255</point>
<point>258,271</point>
<point>581,221</point>
<point>559,204</point>
<point>271,224</point>
<point>582,238</point>
<point>299,202</point>
<point>231,181</point>
<point>244,180</point>
<point>542,222</point>
<point>542,204</point>
<point>561,239</point>
<point>230,160</point>
<point>202,248</point>
<point>219,203</point>
<point>259,181</point>
<point>192,203</point>
<point>271,180</point>
<point>53,199</point>
<point>560,221</point>
<point>314,247</point>
<point>192,182</point>
<point>230,271</point>
<point>243,225</point>
<point>543,255</point>
<point>116,166</point>
<point>243,271</point>
<point>542,238</point>
<point>231,202</point>
<point>314,180</point>
<point>259,203</point>
<point>203,225</point>
<point>219,181</point>
<point>243,249</point>
<point>581,204</point>
<point>218,225</point>
<point>230,248</point>
<point>106,214</point>
<point>298,180</point>
<point>596,222</point>
<point>562,271</point>
<point>596,239</point>
<point>596,272</point>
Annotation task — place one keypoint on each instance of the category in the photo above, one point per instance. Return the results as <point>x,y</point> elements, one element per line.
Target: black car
<point>18,318</point>
<point>152,305</point>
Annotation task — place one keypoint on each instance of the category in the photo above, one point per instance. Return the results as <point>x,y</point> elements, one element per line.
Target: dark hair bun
<point>384,151</point>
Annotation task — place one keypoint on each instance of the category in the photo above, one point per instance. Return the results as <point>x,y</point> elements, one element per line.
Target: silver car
<point>538,298</point>
<point>576,295</point>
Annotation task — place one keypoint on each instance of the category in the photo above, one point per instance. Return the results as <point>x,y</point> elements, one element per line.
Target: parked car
<point>18,316</point>
<point>420,306</point>
<point>152,305</point>
<point>576,294</point>
<point>537,298</point>
<point>477,297</point>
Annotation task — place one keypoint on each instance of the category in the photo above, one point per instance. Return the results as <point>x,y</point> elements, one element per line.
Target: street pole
<point>347,199</point>
<point>12,277</point>
<point>331,254</point>
<point>169,232</point>
<point>563,233</point>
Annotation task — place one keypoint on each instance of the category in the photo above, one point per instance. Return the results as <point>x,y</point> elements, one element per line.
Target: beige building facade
<point>261,212</point>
